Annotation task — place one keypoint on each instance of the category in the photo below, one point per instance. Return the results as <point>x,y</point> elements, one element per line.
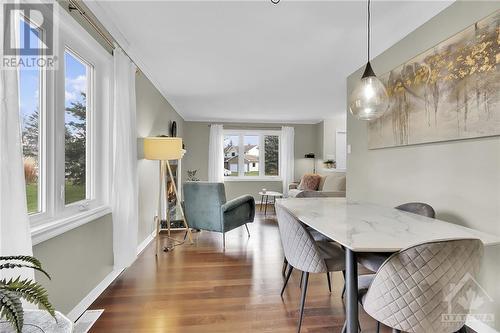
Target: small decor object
<point>173,129</point>
<point>449,92</point>
<point>369,100</point>
<point>13,290</point>
<point>330,164</point>
<point>191,176</point>
<point>264,190</point>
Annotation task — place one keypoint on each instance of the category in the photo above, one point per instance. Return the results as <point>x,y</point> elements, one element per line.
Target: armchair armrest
<point>237,212</point>
<point>237,202</point>
<point>293,186</point>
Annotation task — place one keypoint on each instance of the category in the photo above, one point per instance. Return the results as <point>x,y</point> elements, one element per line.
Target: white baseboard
<point>80,308</point>
<point>145,242</point>
<point>480,327</point>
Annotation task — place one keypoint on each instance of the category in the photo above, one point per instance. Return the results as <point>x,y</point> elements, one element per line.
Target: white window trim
<point>262,176</point>
<point>57,218</point>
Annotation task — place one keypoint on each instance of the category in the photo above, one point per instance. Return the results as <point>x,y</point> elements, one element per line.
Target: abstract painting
<point>449,92</point>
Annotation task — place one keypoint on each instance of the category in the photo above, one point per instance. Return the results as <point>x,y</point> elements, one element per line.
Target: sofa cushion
<point>309,182</point>
<point>334,182</point>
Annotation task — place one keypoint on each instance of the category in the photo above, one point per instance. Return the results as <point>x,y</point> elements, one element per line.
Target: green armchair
<point>206,208</point>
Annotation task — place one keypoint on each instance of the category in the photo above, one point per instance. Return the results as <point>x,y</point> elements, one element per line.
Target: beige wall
<point>154,115</point>
<point>460,179</point>
<point>196,140</point>
<point>77,261</point>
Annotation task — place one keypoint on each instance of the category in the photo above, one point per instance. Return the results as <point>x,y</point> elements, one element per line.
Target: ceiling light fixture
<point>369,100</point>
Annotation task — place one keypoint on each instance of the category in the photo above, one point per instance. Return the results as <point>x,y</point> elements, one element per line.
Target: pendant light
<point>369,100</point>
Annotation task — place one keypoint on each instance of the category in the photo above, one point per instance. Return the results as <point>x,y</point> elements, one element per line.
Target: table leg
<point>351,291</point>
<point>265,209</point>
<point>261,202</point>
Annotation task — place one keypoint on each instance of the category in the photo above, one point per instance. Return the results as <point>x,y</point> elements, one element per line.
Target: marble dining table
<point>367,227</point>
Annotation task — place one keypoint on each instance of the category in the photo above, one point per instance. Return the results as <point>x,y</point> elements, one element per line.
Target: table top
<point>365,227</point>
<point>271,193</point>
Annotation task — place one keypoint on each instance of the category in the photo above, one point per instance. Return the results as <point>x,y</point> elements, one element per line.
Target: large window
<point>65,126</point>
<point>31,83</point>
<point>251,154</point>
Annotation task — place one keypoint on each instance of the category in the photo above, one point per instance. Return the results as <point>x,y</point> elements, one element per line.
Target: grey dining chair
<point>374,260</point>
<point>417,287</point>
<point>305,254</point>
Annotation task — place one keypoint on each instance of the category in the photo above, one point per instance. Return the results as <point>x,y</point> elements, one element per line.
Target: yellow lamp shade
<point>162,148</point>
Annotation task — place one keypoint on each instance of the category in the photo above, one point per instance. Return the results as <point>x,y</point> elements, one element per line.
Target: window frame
<point>58,217</point>
<point>241,168</point>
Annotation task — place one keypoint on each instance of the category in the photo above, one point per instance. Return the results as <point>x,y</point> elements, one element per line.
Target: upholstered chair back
<point>416,288</point>
<point>419,208</point>
<point>202,205</point>
<point>301,250</point>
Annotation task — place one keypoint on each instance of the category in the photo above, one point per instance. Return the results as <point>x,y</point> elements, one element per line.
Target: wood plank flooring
<point>199,288</point>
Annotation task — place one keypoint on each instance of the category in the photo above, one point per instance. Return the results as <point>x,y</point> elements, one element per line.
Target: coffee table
<point>266,195</point>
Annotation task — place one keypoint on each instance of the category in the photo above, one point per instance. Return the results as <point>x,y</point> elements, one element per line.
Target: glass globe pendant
<point>369,100</point>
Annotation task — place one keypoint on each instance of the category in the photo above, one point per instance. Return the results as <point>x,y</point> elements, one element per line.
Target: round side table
<point>264,196</point>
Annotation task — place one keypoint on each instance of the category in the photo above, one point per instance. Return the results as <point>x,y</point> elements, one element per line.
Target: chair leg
<point>301,279</point>
<point>248,231</point>
<point>286,280</point>
<point>329,281</point>
<point>395,331</point>
<point>224,241</point>
<point>305,280</point>
<point>344,328</point>
<point>462,330</point>
<point>285,265</point>
<point>378,326</point>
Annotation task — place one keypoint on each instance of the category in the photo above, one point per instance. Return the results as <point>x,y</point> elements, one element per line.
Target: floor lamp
<point>164,149</point>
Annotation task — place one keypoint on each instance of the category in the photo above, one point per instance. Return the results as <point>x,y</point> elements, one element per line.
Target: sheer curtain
<point>287,159</point>
<point>216,154</point>
<point>124,197</point>
<point>15,234</point>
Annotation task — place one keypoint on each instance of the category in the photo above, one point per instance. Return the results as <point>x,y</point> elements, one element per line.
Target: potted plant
<point>12,291</point>
<point>329,164</point>
<point>191,176</point>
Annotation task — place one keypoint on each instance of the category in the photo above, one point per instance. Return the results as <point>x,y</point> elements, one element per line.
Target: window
<point>64,113</point>
<point>30,83</point>
<point>77,74</point>
<point>251,154</point>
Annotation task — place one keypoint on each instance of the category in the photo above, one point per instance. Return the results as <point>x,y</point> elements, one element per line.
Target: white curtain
<point>216,154</point>
<point>287,159</point>
<point>124,196</point>
<point>15,235</point>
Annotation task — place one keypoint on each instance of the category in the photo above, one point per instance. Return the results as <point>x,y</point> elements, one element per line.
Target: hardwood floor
<point>199,288</point>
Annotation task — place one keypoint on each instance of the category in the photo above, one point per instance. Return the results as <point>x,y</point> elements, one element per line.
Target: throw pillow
<point>309,182</point>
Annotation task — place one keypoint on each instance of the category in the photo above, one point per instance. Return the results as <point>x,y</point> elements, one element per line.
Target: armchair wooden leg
<point>224,241</point>
<point>329,281</point>
<point>248,231</point>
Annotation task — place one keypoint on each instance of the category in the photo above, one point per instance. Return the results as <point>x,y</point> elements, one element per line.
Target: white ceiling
<point>252,60</point>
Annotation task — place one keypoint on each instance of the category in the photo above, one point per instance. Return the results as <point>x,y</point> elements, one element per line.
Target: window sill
<point>56,227</point>
<point>252,179</point>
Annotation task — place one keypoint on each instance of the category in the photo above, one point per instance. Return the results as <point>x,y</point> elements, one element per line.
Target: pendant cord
<point>369,14</point>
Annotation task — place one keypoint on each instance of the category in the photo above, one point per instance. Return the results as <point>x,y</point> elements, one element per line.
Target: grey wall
<point>196,139</point>
<point>154,114</point>
<point>77,261</point>
<point>460,179</point>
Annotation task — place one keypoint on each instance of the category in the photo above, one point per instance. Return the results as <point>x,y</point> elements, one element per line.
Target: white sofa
<point>331,185</point>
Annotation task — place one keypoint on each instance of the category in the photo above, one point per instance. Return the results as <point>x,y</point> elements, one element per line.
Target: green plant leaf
<point>11,309</point>
<point>31,291</point>
<point>10,265</point>
<point>29,259</point>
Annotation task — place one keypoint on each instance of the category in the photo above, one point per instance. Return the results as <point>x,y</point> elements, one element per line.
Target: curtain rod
<point>247,127</point>
<point>73,5</point>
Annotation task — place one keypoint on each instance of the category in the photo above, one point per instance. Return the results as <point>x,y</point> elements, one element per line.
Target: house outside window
<point>251,154</point>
